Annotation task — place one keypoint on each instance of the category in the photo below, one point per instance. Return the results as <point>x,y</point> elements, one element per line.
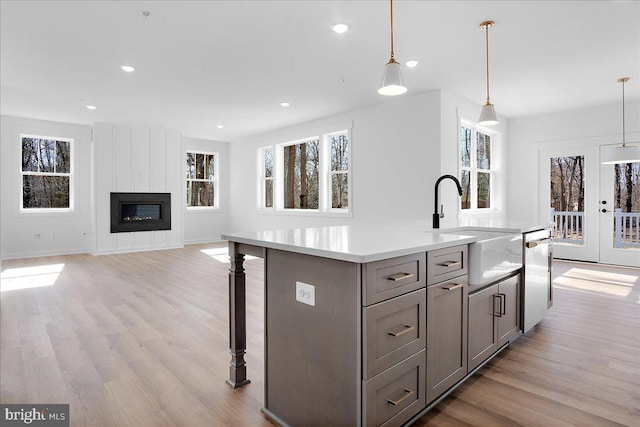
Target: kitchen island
<point>364,325</point>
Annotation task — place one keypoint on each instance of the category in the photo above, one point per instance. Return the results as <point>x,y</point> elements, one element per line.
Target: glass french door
<point>619,214</point>
<point>568,197</point>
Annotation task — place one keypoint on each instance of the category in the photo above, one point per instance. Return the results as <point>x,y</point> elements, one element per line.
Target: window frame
<point>71,175</point>
<point>324,176</point>
<point>474,169</point>
<point>216,181</point>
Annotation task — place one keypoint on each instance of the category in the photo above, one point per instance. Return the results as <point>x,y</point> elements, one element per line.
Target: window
<point>339,170</point>
<point>476,174</point>
<point>267,177</point>
<point>46,173</point>
<point>202,180</point>
<point>308,175</point>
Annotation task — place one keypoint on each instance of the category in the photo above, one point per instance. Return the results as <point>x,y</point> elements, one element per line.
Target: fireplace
<point>140,212</point>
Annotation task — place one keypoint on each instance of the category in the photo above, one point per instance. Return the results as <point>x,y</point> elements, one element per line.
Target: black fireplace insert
<point>140,212</point>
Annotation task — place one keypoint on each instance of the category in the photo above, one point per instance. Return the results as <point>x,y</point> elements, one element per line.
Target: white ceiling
<point>199,63</point>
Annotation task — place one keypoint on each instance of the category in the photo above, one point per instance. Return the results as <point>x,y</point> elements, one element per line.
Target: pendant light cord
<point>623,131</point>
<point>486,28</point>
<point>391,15</point>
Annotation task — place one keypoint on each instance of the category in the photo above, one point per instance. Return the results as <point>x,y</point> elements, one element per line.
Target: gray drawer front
<point>397,394</point>
<point>447,263</point>
<point>394,330</point>
<point>392,277</point>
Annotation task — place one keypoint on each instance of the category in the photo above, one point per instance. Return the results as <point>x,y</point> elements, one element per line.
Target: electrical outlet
<point>37,235</point>
<point>306,293</point>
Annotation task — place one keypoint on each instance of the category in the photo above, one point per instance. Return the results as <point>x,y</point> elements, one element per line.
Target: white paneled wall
<point>131,158</point>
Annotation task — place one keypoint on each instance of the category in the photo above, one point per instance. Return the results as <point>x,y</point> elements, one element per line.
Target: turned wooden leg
<point>237,319</point>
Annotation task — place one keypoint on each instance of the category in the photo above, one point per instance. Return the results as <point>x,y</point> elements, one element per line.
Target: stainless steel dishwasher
<point>537,258</point>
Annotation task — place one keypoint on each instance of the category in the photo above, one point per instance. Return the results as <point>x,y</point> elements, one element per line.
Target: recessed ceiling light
<point>339,28</point>
<point>91,107</point>
<point>284,104</point>
<point>220,125</point>
<point>411,63</point>
<point>128,68</point>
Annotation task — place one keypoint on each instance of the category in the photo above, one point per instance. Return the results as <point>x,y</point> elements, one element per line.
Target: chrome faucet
<point>436,215</point>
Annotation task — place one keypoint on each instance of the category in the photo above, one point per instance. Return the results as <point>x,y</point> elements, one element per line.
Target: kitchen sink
<point>494,255</point>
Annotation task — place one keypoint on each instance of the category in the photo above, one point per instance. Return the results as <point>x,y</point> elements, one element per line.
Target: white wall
<point>588,127</point>
<point>60,233</point>
<point>396,160</point>
<point>208,225</point>
<point>137,159</point>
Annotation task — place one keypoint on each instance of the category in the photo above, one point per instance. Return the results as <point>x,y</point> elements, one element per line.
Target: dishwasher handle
<point>535,243</point>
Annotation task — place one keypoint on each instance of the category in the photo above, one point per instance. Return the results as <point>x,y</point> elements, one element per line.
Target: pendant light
<point>392,82</point>
<point>624,153</point>
<point>488,112</point>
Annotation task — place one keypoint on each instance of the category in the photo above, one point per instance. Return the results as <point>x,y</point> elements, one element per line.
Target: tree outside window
<point>301,175</point>
<point>202,180</point>
<point>46,173</point>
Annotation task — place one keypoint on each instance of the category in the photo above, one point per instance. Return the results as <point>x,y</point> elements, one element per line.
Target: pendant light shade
<point>488,113</point>
<point>623,153</point>
<point>392,81</point>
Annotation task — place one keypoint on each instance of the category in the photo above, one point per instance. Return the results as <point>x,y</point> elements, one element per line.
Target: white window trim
<point>216,183</point>
<point>473,170</point>
<point>71,174</point>
<point>324,182</point>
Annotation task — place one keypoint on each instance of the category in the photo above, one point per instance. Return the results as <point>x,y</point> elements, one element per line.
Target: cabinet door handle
<point>406,329</point>
<point>400,276</point>
<point>450,263</point>
<point>499,313</point>
<point>407,394</point>
<point>503,304</point>
<point>451,287</point>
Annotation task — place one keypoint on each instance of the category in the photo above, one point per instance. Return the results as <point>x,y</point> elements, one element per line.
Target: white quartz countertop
<point>353,243</point>
<point>372,242</point>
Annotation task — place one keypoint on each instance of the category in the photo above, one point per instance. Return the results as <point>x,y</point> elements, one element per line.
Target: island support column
<point>237,318</point>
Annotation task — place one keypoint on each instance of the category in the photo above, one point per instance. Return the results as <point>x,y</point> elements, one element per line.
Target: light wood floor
<point>141,340</point>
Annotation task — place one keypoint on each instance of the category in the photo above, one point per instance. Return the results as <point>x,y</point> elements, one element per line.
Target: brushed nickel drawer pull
<point>503,304</point>
<point>450,263</point>
<point>499,313</point>
<point>400,276</point>
<point>406,329</point>
<point>407,394</point>
<point>452,286</point>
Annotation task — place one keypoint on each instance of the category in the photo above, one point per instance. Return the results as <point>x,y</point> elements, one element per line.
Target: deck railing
<point>569,228</point>
<point>627,229</point>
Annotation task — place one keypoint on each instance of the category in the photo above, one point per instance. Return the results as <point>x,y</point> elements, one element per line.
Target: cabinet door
<point>483,338</point>
<point>446,335</point>
<point>510,309</point>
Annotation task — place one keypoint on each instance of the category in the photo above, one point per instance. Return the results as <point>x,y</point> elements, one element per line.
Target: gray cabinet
<point>446,335</point>
<point>493,319</point>
<point>446,319</point>
<point>393,331</point>
<point>394,340</point>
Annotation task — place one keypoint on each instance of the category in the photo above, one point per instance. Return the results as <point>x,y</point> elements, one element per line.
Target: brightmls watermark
<point>54,415</point>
